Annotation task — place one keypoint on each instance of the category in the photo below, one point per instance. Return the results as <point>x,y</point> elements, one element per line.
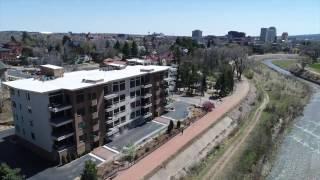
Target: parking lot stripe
<point>160,123</point>
<point>110,149</point>
<point>97,157</point>
<point>169,118</point>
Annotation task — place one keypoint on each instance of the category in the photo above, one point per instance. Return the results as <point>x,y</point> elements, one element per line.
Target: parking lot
<point>135,135</point>
<point>180,111</point>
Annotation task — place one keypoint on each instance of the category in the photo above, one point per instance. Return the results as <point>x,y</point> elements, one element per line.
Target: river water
<point>299,154</point>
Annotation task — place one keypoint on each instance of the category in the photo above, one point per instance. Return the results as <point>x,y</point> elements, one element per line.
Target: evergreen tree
<point>117,46</point>
<point>225,81</point>
<point>6,173</point>
<point>13,39</point>
<point>134,49</point>
<point>170,127</point>
<point>203,84</point>
<point>65,39</point>
<point>126,50</point>
<point>107,44</point>
<point>90,171</point>
<point>178,124</point>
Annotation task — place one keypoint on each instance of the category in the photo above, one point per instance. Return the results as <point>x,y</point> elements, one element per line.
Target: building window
<point>81,125</point>
<point>18,128</point>
<point>138,103</point>
<point>108,103</point>
<point>122,108</point>
<point>132,94</point>
<point>133,105</point>
<point>92,96</point>
<point>20,106</point>
<point>33,136</point>
<point>29,109</point>
<point>116,111</point>
<point>117,122</point>
<point>28,96</point>
<point>138,92</point>
<point>93,109</point>
<point>31,123</point>
<point>23,132</point>
<point>115,87</point>
<point>132,83</point>
<point>81,112</point>
<point>132,115</point>
<point>12,91</point>
<point>123,119</point>
<point>109,114</point>
<point>18,92</point>
<point>106,90</point>
<point>80,98</point>
<point>14,104</point>
<point>138,113</point>
<point>122,97</point>
<point>115,100</point>
<point>122,85</point>
<point>81,138</point>
<point>138,81</point>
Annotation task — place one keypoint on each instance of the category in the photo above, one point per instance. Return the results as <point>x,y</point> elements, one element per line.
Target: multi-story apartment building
<point>71,113</point>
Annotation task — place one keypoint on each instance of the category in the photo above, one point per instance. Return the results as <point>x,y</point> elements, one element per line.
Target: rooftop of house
<point>51,66</point>
<point>81,79</point>
<point>142,61</point>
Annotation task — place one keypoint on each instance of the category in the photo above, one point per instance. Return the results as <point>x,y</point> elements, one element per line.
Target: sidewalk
<point>151,162</point>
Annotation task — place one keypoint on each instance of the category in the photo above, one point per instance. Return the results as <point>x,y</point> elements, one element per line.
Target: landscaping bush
<point>248,74</point>
<point>208,106</point>
<point>170,127</point>
<point>178,125</point>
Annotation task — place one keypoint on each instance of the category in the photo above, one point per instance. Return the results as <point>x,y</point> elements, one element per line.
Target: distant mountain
<point>311,37</point>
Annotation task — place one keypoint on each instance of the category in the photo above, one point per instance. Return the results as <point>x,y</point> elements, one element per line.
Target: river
<point>298,156</point>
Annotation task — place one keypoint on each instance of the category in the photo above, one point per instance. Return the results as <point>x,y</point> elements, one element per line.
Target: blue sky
<point>173,17</point>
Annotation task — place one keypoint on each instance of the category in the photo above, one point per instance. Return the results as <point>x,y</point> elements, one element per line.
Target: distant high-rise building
<point>197,35</point>
<point>284,36</point>
<point>268,34</point>
<point>272,34</point>
<point>263,34</point>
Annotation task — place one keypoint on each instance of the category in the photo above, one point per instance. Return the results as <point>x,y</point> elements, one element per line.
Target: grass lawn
<point>315,67</point>
<point>285,64</point>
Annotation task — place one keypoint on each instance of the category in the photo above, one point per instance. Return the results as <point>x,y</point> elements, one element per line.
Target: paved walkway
<point>193,154</point>
<point>169,149</point>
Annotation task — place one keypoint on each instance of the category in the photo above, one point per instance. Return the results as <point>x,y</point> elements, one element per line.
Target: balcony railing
<point>59,107</point>
<point>147,115</point>
<point>60,121</point>
<point>110,96</point>
<point>147,86</point>
<point>59,136</point>
<point>147,95</point>
<point>112,131</point>
<point>63,147</point>
<point>147,105</point>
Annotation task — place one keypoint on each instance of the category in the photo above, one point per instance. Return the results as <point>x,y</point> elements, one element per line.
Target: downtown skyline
<point>168,17</point>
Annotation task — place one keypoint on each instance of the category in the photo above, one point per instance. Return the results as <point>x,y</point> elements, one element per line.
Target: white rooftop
<point>116,65</point>
<point>75,80</point>
<point>142,61</point>
<point>51,66</point>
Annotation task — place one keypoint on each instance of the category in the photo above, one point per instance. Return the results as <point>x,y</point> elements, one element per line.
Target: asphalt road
<point>131,136</point>
<point>67,172</point>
